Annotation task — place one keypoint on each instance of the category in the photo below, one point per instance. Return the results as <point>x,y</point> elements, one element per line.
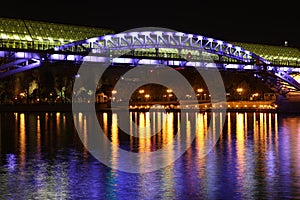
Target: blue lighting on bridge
<point>103,49</point>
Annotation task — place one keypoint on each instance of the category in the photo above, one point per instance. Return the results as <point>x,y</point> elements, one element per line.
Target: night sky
<point>243,21</point>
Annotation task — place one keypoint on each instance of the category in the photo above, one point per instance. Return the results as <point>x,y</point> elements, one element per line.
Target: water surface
<point>256,157</point>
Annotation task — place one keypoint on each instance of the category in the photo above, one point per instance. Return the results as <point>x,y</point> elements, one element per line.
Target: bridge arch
<point>158,39</point>
<point>277,78</point>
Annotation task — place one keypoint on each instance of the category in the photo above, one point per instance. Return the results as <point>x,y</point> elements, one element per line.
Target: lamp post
<point>254,95</point>
<point>169,91</point>
<point>141,95</point>
<point>200,90</point>
<point>147,96</point>
<point>240,90</point>
<point>113,98</point>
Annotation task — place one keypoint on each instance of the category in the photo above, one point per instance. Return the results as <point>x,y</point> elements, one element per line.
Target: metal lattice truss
<point>104,48</point>
<point>161,39</point>
<point>16,62</point>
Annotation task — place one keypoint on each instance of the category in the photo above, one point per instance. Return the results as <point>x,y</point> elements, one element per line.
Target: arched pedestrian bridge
<point>26,45</point>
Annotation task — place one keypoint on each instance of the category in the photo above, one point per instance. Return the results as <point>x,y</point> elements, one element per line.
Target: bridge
<point>26,44</point>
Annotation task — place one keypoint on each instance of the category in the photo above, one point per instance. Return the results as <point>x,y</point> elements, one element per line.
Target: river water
<point>257,156</point>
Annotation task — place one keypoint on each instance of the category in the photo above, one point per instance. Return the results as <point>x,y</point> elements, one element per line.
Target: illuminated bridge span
<point>27,44</point>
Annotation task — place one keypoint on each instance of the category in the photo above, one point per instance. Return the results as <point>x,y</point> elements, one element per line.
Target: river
<point>256,156</point>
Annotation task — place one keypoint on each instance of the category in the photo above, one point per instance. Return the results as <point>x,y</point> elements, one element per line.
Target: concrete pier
<point>289,104</point>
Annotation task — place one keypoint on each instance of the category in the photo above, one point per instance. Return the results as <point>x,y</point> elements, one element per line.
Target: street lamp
<point>112,96</point>
<point>147,96</point>
<point>200,90</point>
<point>240,90</point>
<point>253,96</point>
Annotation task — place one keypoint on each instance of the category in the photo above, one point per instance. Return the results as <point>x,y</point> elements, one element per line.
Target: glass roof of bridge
<point>272,52</point>
<point>27,30</point>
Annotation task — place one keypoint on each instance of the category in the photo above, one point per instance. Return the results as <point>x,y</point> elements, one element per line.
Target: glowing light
<point>239,89</point>
<point>4,36</point>
<point>238,48</point>
<point>199,90</point>
<point>180,34</point>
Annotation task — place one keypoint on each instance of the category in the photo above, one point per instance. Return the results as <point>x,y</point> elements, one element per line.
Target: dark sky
<point>245,21</point>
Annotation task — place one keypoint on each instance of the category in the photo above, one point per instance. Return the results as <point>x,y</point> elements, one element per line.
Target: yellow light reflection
<point>170,128</point>
<point>229,134</point>
<point>153,131</point>
<point>255,132</point>
<point>114,140</point>
<point>276,133</point>
<point>188,132</point>
<point>38,136</point>
<point>160,118</point>
<point>47,121</point>
<point>104,126</point>
<point>80,116</point>
<point>167,129</point>
<point>167,133</point>
<point>246,124</point>
<point>221,126</point>
<point>114,129</point>
<point>16,128</point>
<point>144,132</point>
<point>147,132</point>
<point>58,122</point>
<point>270,129</point>
<point>22,141</point>
<point>141,132</point>
<point>199,143</point>
<point>205,118</point>
<point>85,139</point>
<point>240,146</point>
<point>104,115</point>
<point>58,129</point>
<point>131,123</point>
<point>265,127</point>
<point>262,131</point>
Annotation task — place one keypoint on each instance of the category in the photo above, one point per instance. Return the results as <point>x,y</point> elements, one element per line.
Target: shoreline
<point>104,108</point>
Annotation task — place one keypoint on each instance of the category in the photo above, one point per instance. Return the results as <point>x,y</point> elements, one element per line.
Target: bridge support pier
<point>288,104</point>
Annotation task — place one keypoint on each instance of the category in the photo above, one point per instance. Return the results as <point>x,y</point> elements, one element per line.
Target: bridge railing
<point>285,62</point>
<point>28,45</point>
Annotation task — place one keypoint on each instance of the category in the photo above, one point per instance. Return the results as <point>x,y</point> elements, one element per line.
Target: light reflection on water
<point>256,157</point>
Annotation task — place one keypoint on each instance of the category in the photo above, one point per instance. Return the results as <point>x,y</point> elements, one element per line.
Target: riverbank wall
<point>243,106</point>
